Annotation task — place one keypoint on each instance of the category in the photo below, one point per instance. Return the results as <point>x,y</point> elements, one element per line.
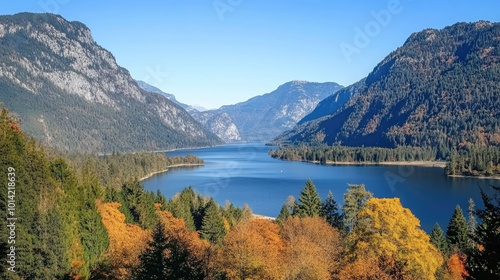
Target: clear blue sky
<point>212,53</point>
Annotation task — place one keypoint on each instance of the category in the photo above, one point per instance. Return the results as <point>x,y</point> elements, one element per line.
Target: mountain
<point>147,87</point>
<point>440,89</point>
<point>263,117</point>
<point>70,93</point>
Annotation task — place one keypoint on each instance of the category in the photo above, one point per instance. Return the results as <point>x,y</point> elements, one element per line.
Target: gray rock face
<point>263,117</point>
<point>52,70</point>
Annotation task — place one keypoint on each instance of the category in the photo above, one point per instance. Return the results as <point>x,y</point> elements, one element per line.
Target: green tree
<point>330,211</point>
<point>309,201</point>
<point>154,259</point>
<point>284,214</point>
<point>483,260</point>
<point>471,222</point>
<point>438,238</point>
<point>354,201</point>
<point>212,228</point>
<point>457,232</point>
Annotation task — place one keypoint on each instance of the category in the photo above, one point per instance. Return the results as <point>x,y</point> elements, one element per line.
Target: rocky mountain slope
<point>147,87</point>
<point>70,93</point>
<point>441,89</point>
<point>263,117</point>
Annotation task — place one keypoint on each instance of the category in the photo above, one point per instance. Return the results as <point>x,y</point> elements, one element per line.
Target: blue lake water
<point>245,173</point>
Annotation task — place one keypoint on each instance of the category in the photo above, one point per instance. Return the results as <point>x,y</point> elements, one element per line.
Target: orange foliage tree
<point>312,248</point>
<point>455,267</point>
<point>186,251</point>
<point>391,234</point>
<point>126,241</point>
<point>253,250</point>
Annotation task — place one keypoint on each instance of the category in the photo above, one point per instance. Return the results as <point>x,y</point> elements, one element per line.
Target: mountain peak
<point>53,67</point>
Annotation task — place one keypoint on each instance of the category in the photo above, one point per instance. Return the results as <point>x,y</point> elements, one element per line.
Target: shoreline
<point>475,177</point>
<point>170,166</point>
<point>421,163</point>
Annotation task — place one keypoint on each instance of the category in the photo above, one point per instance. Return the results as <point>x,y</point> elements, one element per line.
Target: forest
<point>91,219</point>
<point>469,161</point>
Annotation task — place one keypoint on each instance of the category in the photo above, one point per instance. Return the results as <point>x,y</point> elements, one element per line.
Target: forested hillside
<point>72,95</point>
<point>440,90</point>
<point>70,225</point>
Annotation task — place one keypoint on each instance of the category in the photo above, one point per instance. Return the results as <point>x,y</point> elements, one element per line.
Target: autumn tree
<point>391,235</point>
<point>354,200</point>
<point>309,201</point>
<point>457,232</point>
<point>312,248</point>
<point>455,267</point>
<point>184,250</point>
<point>482,262</point>
<point>126,242</point>
<point>253,250</point>
<point>330,211</point>
<point>438,238</point>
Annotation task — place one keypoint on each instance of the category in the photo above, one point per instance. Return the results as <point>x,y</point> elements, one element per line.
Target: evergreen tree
<point>483,260</point>
<point>212,228</point>
<point>438,238</point>
<point>309,201</point>
<point>471,222</point>
<point>330,211</point>
<point>354,201</point>
<point>456,234</point>
<point>154,260</point>
<point>284,214</point>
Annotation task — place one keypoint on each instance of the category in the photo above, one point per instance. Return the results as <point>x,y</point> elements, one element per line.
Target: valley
<point>391,177</point>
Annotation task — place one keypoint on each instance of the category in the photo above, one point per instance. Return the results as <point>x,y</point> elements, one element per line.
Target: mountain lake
<point>245,173</point>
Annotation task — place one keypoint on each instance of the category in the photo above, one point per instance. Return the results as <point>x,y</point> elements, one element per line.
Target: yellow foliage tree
<point>126,241</point>
<point>312,248</point>
<point>391,234</point>
<point>253,250</point>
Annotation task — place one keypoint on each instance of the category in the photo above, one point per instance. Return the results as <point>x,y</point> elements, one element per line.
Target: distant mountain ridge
<point>147,87</point>
<point>440,89</point>
<point>70,93</point>
<point>263,117</point>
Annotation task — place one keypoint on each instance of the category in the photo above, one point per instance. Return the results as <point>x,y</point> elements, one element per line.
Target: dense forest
<point>72,95</point>
<point>438,92</point>
<point>72,224</point>
<point>470,161</point>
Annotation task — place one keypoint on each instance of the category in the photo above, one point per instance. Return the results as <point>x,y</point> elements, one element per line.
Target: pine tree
<point>154,260</point>
<point>471,222</point>
<point>354,201</point>
<point>438,238</point>
<point>284,214</point>
<point>310,202</point>
<point>483,260</point>
<point>456,234</point>
<point>330,211</point>
<point>212,228</point>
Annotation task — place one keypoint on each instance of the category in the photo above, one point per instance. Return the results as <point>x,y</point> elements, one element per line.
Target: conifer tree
<point>284,214</point>
<point>457,231</point>
<point>212,228</point>
<point>154,260</point>
<point>471,222</point>
<point>330,211</point>
<point>354,201</point>
<point>483,259</point>
<point>438,238</point>
<point>309,201</point>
